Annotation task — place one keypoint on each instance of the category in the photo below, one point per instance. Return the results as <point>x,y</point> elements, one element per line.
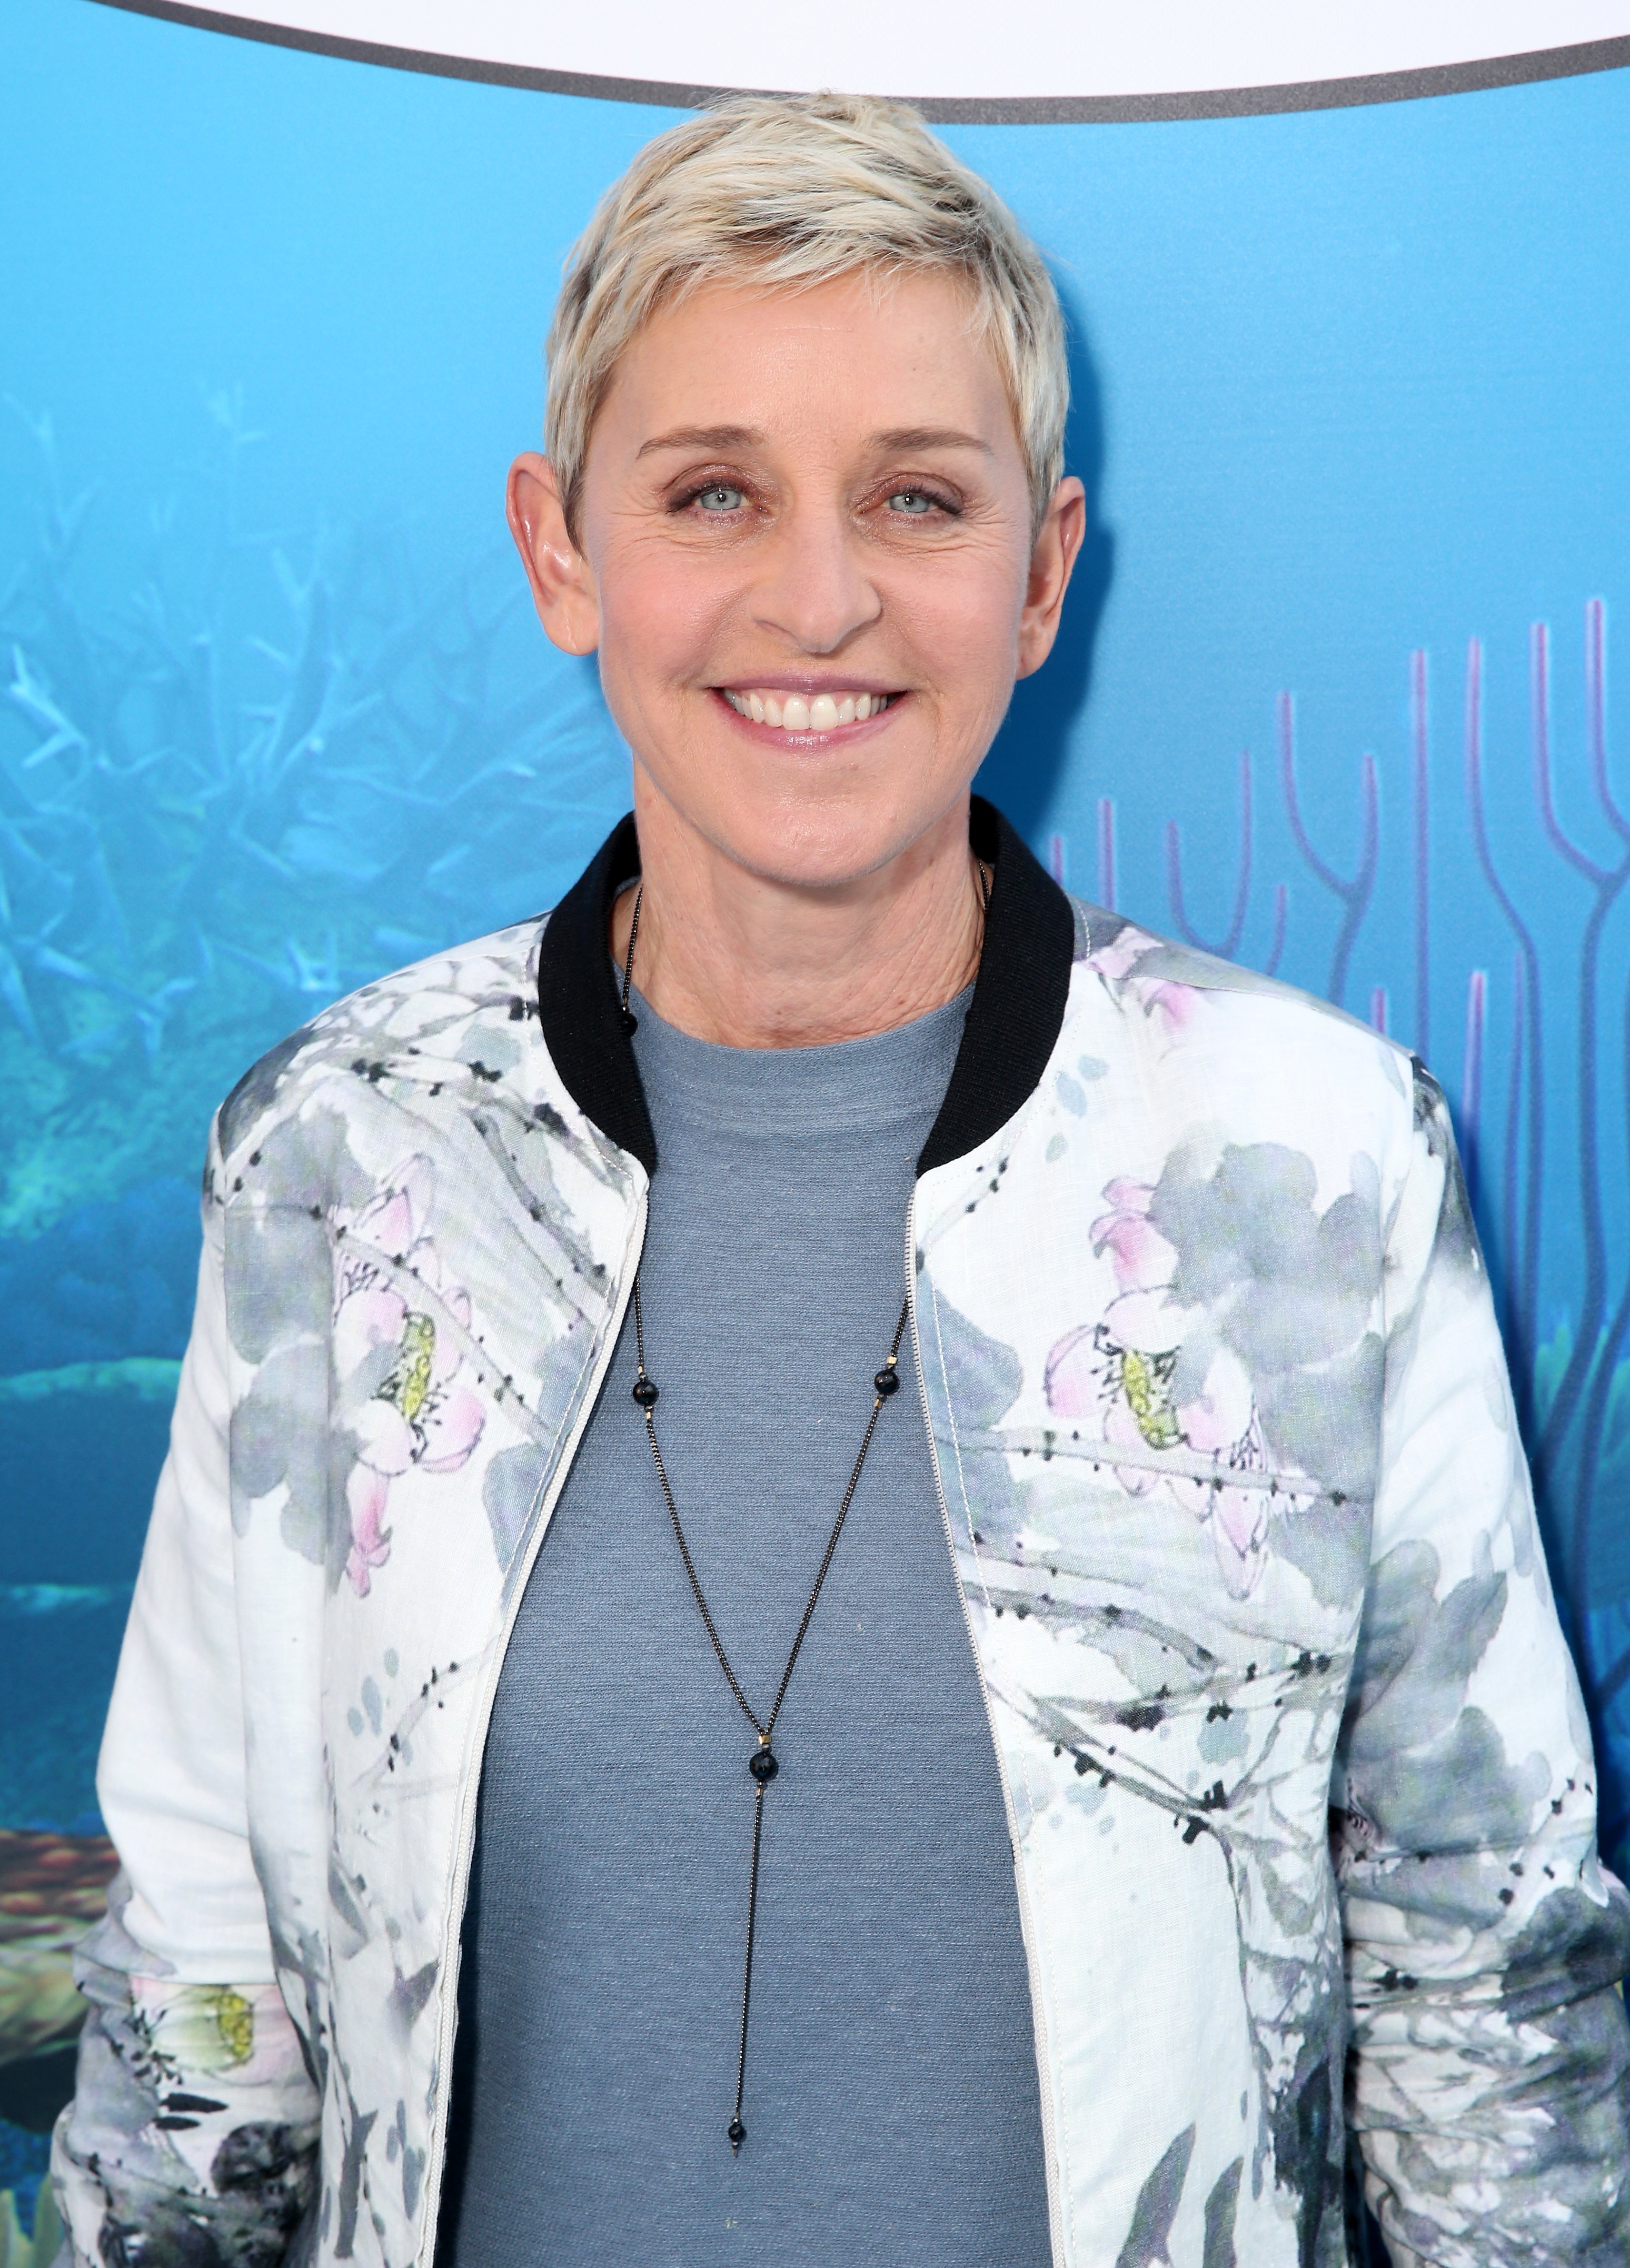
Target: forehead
<point>834,362</point>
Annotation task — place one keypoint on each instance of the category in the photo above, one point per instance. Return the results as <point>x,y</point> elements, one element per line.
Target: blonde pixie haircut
<point>792,192</point>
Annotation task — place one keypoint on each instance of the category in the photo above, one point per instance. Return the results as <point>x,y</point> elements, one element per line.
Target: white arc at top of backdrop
<point>960,51</point>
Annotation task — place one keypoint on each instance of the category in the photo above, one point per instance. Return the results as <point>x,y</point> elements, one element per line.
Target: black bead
<point>762,1765</point>
<point>630,1022</point>
<point>645,1391</point>
<point>737,2132</point>
<point>887,1381</point>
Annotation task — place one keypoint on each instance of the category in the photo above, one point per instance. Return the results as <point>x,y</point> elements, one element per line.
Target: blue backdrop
<point>1351,390</point>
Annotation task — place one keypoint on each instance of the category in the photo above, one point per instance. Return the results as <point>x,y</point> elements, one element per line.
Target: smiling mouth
<point>817,712</point>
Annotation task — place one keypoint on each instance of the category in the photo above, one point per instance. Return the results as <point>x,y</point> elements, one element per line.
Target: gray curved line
<point>1574,62</point>
<point>1167,1464</point>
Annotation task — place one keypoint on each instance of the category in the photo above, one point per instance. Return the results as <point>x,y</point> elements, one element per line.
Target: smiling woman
<point>1161,1754</point>
<point>805,548</point>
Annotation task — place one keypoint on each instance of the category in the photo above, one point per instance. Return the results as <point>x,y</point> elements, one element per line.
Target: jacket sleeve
<point>1489,2051</point>
<point>193,2132</point>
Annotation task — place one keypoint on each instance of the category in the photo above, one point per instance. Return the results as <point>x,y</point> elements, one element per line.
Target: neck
<point>751,961</point>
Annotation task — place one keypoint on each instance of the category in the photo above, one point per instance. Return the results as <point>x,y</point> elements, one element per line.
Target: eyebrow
<point>702,437</point>
<point>899,437</point>
<point>908,437</point>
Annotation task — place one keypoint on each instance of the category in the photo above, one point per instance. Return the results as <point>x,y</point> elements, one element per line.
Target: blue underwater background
<point>1352,394</point>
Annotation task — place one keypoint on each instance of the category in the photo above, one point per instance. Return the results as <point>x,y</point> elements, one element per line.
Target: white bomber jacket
<point>1296,1770</point>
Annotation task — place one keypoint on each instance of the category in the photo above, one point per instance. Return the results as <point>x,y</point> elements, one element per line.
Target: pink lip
<point>778,733</point>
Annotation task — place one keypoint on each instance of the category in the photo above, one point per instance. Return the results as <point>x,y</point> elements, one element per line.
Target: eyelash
<point>691,496</point>
<point>699,489</point>
<point>935,496</point>
<point>695,490</point>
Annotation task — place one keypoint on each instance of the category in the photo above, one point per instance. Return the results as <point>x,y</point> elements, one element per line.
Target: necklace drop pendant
<point>763,1764</point>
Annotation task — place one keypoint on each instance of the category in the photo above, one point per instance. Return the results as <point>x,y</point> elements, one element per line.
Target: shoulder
<point>1196,1057</point>
<point>459,1018</point>
<point>1189,1004</point>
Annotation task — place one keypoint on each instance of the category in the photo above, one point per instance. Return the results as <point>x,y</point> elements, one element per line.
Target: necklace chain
<point>762,1763</point>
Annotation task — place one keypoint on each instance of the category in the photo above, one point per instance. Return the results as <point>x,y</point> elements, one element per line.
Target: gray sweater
<point>891,2101</point>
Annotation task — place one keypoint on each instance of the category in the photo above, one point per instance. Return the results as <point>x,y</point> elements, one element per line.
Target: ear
<point>562,589</point>
<point>1058,548</point>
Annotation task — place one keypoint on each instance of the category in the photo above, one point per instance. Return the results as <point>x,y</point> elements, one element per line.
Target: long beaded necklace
<point>762,1763</point>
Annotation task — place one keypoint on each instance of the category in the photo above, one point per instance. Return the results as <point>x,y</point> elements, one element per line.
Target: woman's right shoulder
<point>455,1008</point>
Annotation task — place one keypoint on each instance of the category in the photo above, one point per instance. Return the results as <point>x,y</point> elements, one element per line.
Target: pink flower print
<point>1236,1517</point>
<point>1239,1534</point>
<point>365,1494</point>
<point>370,1314</point>
<point>1116,960</point>
<point>418,1413</point>
<point>451,1430</point>
<point>1143,1259</point>
<point>1089,1373</point>
<point>1088,1369</point>
<point>1072,1380</point>
<point>393,1221</point>
<point>1098,1369</point>
<point>1176,1002</point>
<point>1221,1421</point>
<point>1216,1419</point>
<point>1116,963</point>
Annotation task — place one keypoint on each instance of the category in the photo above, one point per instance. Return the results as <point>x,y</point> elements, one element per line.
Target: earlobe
<point>562,588</point>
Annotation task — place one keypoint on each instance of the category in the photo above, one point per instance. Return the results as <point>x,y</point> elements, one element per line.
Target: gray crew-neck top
<point>891,2105</point>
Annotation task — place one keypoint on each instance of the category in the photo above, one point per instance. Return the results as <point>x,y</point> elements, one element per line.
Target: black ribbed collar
<point>1013,1020</point>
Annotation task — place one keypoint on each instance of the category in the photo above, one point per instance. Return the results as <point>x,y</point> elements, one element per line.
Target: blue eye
<point>912,501</point>
<point>718,495</point>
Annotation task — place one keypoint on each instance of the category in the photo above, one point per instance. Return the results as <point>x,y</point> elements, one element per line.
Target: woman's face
<point>804,558</point>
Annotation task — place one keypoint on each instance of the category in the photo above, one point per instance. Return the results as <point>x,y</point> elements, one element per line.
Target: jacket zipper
<point>1049,2144</point>
<point>465,1840</point>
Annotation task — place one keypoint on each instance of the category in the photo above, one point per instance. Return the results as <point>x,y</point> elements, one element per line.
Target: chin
<point>824,844</point>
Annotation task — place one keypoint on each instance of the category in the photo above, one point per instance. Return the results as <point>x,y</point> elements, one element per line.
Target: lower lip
<point>778,736</point>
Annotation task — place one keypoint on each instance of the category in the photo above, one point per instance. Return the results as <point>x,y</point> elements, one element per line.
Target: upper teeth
<point>792,713</point>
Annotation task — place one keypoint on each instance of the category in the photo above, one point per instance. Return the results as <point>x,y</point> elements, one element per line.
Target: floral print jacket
<point>1299,1781</point>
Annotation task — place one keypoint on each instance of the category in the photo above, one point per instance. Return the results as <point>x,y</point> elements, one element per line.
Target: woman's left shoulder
<point>1246,1056</point>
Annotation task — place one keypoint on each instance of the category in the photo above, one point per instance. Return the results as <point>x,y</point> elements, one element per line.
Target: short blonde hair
<point>798,191</point>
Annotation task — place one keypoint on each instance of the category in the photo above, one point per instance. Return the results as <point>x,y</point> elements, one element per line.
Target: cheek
<point>659,617</point>
<point>964,625</point>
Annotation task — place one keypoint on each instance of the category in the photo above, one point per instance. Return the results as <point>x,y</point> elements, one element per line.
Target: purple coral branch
<point>1511,1208</point>
<point>1355,895</point>
<point>1421,750</point>
<point>1596,1410</point>
<point>1607,883</point>
<point>1590,1370</point>
<point>1276,951</point>
<point>1539,714</point>
<point>1471,1078</point>
<point>1227,945</point>
<point>1106,853</point>
<point>1596,712</point>
<point>1523,1305</point>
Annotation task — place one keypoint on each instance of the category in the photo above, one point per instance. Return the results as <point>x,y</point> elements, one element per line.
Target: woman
<point>602,1776</point>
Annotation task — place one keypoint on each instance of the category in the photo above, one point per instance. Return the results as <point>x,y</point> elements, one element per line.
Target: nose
<point>814,588</point>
